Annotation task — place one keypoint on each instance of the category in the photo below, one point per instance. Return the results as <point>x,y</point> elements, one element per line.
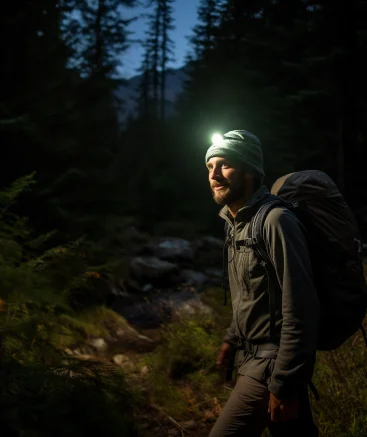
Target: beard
<point>230,193</point>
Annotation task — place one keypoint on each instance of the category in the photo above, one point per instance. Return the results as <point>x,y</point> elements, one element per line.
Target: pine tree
<point>97,33</point>
<point>158,50</point>
<point>205,32</point>
<point>166,48</point>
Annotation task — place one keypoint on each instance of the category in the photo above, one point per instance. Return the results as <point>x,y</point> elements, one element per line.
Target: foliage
<point>183,379</point>
<point>341,378</point>
<point>158,52</point>
<point>71,399</point>
<point>43,391</point>
<point>96,33</point>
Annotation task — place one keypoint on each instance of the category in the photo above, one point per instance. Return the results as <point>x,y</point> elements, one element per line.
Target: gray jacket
<point>296,309</point>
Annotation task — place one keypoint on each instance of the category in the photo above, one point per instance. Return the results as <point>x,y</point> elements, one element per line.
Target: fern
<point>43,391</point>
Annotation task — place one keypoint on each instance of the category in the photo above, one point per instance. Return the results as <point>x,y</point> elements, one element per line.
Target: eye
<point>225,165</point>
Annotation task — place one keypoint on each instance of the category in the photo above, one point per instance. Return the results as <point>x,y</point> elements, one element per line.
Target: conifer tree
<point>158,50</point>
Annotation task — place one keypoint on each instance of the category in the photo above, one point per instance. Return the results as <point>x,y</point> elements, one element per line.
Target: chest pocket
<point>251,273</point>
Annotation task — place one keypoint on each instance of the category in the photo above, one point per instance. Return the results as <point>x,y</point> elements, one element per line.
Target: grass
<point>341,378</point>
<point>184,382</point>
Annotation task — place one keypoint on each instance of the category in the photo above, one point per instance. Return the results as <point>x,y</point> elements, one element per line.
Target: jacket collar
<point>247,211</point>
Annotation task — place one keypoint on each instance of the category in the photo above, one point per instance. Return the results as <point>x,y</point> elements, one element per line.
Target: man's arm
<point>228,350</point>
<point>230,336</point>
<point>287,248</point>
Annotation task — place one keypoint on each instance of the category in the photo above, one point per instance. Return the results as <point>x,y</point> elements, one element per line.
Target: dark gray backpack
<point>334,246</point>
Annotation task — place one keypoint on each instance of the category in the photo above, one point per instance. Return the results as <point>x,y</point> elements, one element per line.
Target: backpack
<point>334,246</point>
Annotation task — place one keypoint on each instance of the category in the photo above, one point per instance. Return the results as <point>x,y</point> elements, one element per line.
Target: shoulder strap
<point>258,244</point>
<point>225,262</point>
<point>256,227</point>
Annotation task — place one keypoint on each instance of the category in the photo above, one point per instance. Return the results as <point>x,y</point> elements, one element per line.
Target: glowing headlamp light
<point>217,138</point>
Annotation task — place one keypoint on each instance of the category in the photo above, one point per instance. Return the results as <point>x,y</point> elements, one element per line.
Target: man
<point>275,312</point>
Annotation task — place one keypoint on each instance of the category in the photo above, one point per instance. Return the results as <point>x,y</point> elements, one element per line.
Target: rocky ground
<point>164,284</point>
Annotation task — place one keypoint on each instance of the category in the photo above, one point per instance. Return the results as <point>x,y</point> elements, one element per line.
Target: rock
<point>86,357</point>
<point>214,275</point>
<point>129,338</point>
<point>192,277</point>
<point>146,288</point>
<point>131,233</point>
<point>99,344</point>
<point>174,249</point>
<point>141,314</point>
<point>164,307</point>
<point>192,307</point>
<point>145,338</point>
<point>152,268</point>
<point>117,291</point>
<point>124,362</point>
<point>191,424</point>
<point>144,370</point>
<point>80,354</point>
<point>215,243</point>
<point>208,252</point>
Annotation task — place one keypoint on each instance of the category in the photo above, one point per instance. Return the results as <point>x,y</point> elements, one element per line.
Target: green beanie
<point>241,146</point>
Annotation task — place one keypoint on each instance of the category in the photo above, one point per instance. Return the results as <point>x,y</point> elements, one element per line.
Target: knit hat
<point>242,146</point>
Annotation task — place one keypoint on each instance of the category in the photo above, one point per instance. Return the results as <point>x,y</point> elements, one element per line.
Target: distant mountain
<point>128,92</point>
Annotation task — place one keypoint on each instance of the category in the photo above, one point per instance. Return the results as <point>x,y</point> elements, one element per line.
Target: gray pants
<point>246,414</point>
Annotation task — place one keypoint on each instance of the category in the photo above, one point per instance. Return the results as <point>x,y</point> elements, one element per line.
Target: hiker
<point>275,311</point>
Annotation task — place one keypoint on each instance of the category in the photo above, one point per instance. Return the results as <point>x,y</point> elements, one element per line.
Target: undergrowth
<point>186,384</point>
<point>184,380</point>
<point>341,378</point>
<point>43,391</point>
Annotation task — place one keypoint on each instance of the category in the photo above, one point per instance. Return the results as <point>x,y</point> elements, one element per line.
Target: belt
<point>264,350</point>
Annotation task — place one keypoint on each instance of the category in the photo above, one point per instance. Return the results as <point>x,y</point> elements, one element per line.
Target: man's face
<point>227,180</point>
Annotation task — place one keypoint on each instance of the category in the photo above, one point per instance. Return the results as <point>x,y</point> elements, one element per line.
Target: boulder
<point>174,249</point>
<point>215,243</point>
<point>124,362</point>
<point>192,277</point>
<point>144,370</point>
<point>153,269</point>
<point>99,344</point>
<point>164,307</point>
<point>129,338</point>
<point>188,308</point>
<point>189,425</point>
<point>214,275</point>
<point>208,252</point>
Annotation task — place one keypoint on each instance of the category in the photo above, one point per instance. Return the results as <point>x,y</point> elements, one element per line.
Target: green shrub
<point>76,399</point>
<point>183,377</point>
<point>341,379</point>
<point>43,392</point>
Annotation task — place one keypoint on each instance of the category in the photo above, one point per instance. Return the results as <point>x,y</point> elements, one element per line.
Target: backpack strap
<point>257,224</point>
<point>257,242</point>
<point>225,262</point>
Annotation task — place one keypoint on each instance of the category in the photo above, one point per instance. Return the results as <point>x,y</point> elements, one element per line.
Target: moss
<point>183,378</point>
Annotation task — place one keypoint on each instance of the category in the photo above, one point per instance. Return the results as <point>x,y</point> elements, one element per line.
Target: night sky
<point>185,19</point>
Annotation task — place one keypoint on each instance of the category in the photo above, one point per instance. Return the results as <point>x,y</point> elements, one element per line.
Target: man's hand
<point>224,353</point>
<point>283,410</point>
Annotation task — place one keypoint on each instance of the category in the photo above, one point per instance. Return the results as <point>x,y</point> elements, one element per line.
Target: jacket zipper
<point>239,285</point>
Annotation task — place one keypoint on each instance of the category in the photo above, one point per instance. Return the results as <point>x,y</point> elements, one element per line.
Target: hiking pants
<point>246,414</point>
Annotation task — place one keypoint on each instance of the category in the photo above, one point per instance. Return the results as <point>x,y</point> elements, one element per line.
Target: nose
<point>216,173</point>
